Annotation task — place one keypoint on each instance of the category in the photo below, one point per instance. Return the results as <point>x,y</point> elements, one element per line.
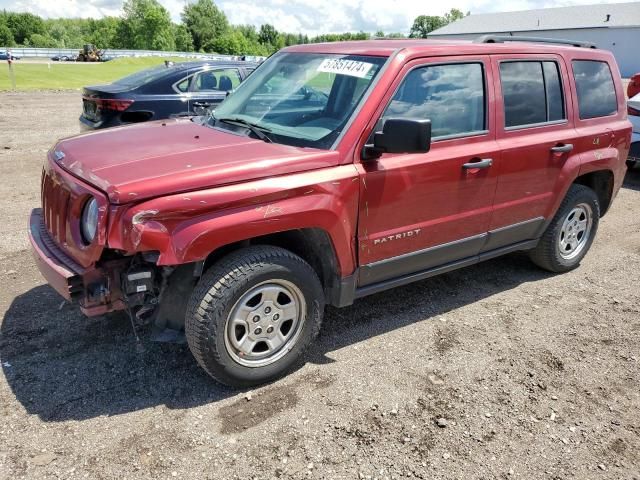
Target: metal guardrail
<point>112,53</point>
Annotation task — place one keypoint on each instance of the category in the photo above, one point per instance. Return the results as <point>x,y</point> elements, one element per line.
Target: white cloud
<point>299,16</point>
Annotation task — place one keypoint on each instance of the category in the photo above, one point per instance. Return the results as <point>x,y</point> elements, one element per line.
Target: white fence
<point>112,53</point>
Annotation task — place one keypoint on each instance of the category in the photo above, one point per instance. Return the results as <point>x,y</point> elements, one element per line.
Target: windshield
<point>301,99</point>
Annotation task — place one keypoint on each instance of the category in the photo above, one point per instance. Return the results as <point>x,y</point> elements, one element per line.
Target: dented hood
<point>153,159</point>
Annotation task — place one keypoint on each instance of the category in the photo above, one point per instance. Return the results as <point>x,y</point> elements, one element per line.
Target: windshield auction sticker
<point>352,68</point>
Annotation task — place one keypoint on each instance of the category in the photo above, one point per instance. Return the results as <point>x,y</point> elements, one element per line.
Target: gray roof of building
<point>561,18</point>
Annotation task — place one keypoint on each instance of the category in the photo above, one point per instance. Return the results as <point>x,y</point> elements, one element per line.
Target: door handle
<point>562,148</point>
<point>478,163</point>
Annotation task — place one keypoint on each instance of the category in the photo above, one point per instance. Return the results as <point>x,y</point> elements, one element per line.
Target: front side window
<point>301,99</point>
<point>596,91</point>
<point>531,92</point>
<point>216,80</point>
<point>451,96</point>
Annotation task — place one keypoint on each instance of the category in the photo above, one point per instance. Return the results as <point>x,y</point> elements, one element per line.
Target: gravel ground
<point>496,371</point>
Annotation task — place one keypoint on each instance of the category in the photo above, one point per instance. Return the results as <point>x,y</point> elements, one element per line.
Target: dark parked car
<point>62,58</point>
<point>190,88</point>
<point>5,56</point>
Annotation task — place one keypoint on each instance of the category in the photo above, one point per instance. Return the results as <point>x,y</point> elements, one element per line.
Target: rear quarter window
<point>595,87</point>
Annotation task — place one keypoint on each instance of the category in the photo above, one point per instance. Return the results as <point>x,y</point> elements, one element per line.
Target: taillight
<point>114,104</point>
<point>633,111</point>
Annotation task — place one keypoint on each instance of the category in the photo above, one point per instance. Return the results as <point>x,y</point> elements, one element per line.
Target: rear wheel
<point>570,234</point>
<point>253,314</point>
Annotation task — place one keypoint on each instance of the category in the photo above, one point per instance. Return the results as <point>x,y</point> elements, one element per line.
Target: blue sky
<point>306,16</point>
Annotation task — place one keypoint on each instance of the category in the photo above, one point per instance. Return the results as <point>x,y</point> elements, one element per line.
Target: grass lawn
<point>69,75</point>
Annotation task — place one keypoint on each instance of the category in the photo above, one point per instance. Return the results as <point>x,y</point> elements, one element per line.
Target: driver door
<point>420,211</point>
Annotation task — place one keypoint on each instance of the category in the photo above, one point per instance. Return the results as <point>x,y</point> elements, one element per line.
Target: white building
<point>614,27</point>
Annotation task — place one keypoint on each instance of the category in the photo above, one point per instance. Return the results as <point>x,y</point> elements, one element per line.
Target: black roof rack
<point>515,38</point>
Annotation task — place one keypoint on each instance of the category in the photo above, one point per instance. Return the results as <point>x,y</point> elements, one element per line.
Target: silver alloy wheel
<point>575,231</point>
<point>265,323</point>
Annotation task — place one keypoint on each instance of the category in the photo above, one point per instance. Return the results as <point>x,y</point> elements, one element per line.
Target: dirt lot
<point>495,371</point>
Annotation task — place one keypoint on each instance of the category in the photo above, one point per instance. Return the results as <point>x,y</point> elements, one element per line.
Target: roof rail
<point>515,38</point>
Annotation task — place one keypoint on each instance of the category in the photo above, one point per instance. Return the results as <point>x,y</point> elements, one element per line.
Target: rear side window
<point>451,96</point>
<point>532,93</point>
<point>183,85</point>
<point>596,91</point>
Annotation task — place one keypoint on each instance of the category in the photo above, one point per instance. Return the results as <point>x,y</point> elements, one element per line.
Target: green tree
<point>146,25</point>
<point>454,15</point>
<point>232,42</point>
<point>103,33</point>
<point>423,25</point>
<point>205,21</point>
<point>289,39</point>
<point>249,32</point>
<point>6,37</point>
<point>23,25</point>
<point>58,33</point>
<point>43,41</point>
<point>184,40</point>
<point>268,35</point>
<point>68,32</point>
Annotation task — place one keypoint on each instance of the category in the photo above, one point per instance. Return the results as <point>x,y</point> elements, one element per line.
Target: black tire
<point>547,254</point>
<point>219,291</point>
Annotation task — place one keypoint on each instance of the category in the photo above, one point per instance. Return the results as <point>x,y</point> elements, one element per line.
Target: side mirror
<point>400,135</point>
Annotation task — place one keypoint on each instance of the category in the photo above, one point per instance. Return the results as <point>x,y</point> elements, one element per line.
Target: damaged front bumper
<point>97,290</point>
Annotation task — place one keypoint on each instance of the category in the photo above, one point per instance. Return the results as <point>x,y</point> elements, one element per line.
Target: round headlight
<point>89,223</point>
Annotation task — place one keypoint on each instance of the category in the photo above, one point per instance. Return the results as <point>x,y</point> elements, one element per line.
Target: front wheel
<point>253,314</point>
<point>570,234</point>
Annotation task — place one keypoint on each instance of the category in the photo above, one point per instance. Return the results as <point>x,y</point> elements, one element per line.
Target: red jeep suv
<point>333,172</point>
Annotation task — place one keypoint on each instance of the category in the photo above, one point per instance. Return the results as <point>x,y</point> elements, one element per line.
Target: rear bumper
<point>87,125</point>
<point>69,279</point>
<point>58,271</point>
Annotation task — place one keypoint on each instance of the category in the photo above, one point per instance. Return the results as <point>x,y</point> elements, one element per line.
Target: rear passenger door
<point>210,87</point>
<point>535,131</point>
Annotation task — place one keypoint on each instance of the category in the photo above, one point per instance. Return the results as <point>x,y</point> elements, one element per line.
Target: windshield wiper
<point>257,130</point>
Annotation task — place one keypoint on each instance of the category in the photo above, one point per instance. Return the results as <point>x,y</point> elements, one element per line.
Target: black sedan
<point>190,88</point>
